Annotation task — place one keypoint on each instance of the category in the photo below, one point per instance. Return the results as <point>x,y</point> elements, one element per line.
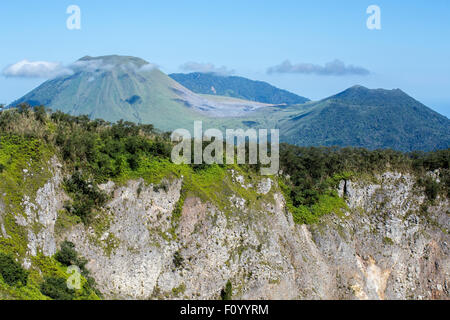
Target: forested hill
<point>369,118</point>
<point>236,87</point>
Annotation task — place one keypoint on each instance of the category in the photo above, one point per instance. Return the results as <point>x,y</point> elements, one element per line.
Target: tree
<point>67,255</point>
<point>12,272</point>
<point>227,292</point>
<point>56,288</point>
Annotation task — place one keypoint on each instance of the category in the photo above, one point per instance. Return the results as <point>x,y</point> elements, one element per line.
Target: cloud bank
<point>205,68</point>
<point>36,69</point>
<point>91,66</point>
<point>333,68</point>
<point>50,70</point>
<point>148,67</point>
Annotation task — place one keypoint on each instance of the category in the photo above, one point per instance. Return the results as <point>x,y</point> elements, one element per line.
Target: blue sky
<point>411,51</point>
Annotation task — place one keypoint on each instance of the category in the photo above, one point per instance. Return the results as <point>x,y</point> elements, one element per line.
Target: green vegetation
<point>236,87</point>
<point>68,256</point>
<point>178,260</point>
<point>314,174</point>
<point>86,196</point>
<point>107,150</point>
<point>95,151</point>
<point>360,117</point>
<point>227,292</point>
<point>12,272</point>
<point>388,241</point>
<point>431,188</point>
<point>179,290</point>
<point>56,288</point>
<point>92,152</point>
<point>121,92</point>
<point>28,141</point>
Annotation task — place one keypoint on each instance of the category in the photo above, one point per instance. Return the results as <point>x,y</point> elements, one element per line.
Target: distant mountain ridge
<point>129,88</point>
<point>370,118</point>
<point>357,117</point>
<point>236,87</point>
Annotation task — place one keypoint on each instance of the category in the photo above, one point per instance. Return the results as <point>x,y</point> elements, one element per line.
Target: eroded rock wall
<point>385,246</point>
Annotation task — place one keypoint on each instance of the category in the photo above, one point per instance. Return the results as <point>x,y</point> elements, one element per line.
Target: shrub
<point>178,260</point>
<point>68,256</point>
<point>431,188</point>
<point>388,241</point>
<point>179,290</point>
<point>40,114</point>
<point>12,272</point>
<point>56,288</point>
<point>227,292</point>
<point>86,196</point>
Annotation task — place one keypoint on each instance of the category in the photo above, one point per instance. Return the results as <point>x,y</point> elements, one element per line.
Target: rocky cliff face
<point>386,245</point>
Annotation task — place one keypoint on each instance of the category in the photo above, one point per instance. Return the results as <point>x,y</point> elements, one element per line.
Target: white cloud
<point>36,69</point>
<point>50,70</point>
<point>91,66</point>
<point>205,68</point>
<point>148,67</point>
<point>333,68</point>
